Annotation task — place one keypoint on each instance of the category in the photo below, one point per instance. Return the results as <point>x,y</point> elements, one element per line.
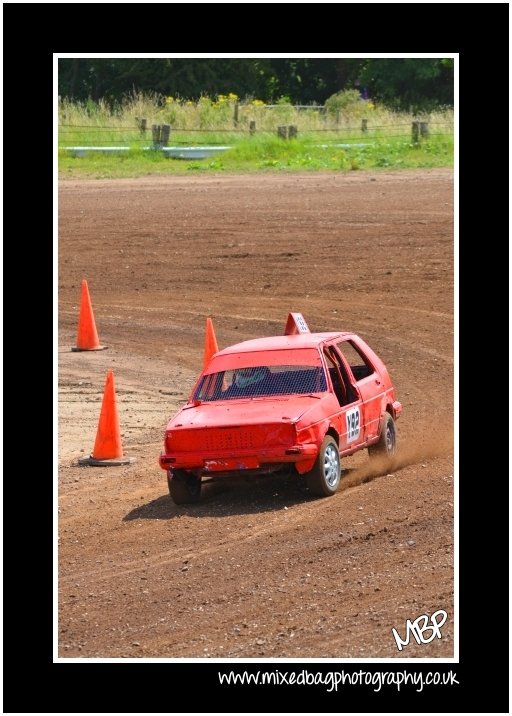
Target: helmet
<point>248,376</point>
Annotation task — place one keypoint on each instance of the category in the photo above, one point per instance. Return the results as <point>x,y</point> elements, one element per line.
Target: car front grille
<point>213,440</point>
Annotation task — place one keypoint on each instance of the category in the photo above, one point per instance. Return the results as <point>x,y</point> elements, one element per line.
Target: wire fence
<point>162,135</point>
<point>233,130</point>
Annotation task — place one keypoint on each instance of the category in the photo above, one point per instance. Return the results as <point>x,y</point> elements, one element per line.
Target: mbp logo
<point>418,628</point>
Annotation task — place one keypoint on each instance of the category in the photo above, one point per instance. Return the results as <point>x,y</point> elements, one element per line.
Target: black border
<point>31,34</point>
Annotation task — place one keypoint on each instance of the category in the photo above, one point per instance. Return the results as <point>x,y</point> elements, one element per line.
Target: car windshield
<point>261,381</point>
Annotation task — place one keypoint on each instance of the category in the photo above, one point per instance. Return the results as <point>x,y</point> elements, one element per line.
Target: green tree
<point>308,80</point>
<point>303,80</point>
<point>111,79</point>
<point>400,83</point>
<point>409,83</point>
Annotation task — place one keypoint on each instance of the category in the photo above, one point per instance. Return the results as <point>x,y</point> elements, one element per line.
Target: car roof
<point>276,343</point>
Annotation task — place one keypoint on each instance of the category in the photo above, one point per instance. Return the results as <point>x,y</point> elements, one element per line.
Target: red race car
<point>302,398</point>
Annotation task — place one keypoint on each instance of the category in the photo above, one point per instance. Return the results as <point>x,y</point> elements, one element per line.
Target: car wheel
<point>386,445</point>
<point>184,487</point>
<point>324,478</point>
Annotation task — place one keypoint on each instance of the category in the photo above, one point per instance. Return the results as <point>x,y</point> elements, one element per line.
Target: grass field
<point>386,137</point>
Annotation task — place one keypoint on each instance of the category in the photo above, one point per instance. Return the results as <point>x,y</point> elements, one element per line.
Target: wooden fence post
<point>415,132</point>
<point>155,131</point>
<point>142,124</point>
<point>364,125</point>
<point>292,131</point>
<point>252,127</point>
<point>282,131</point>
<point>164,137</point>
<point>235,114</point>
<point>424,129</point>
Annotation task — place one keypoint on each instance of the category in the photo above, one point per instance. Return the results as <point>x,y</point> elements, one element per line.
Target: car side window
<point>337,381</point>
<point>359,365</point>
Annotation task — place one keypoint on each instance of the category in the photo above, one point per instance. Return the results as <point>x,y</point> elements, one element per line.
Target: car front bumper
<point>204,463</point>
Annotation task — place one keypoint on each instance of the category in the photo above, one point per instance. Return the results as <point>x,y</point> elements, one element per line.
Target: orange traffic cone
<point>87,339</point>
<point>210,343</point>
<point>107,447</point>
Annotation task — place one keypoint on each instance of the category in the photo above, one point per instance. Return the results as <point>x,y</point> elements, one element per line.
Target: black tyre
<point>324,478</point>
<point>386,445</point>
<point>184,487</point>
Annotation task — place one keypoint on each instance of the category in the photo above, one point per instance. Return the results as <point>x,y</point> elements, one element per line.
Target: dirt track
<point>256,569</point>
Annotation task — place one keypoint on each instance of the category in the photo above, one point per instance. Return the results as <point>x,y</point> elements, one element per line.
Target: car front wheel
<point>184,487</point>
<point>324,478</point>
<point>386,445</point>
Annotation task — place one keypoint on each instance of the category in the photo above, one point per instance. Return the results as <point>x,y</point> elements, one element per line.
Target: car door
<point>368,383</point>
<point>350,419</point>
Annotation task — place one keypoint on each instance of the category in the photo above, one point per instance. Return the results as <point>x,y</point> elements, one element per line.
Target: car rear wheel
<point>184,487</point>
<point>386,445</point>
<point>324,478</point>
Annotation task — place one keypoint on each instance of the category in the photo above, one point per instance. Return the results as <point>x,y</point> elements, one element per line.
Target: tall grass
<point>91,120</point>
<point>211,121</point>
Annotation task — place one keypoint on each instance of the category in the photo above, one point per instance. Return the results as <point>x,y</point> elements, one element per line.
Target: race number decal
<point>295,323</point>
<point>301,323</point>
<point>353,424</point>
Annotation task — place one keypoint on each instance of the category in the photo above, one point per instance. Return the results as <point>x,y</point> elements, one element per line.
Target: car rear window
<point>261,381</point>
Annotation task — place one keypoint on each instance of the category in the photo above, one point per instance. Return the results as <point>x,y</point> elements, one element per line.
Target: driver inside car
<point>246,381</point>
